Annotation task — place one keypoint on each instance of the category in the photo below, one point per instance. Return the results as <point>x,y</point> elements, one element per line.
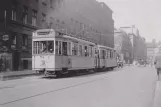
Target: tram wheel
<point>58,74</point>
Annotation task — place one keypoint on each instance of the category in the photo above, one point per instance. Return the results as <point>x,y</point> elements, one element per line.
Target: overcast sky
<point>144,14</point>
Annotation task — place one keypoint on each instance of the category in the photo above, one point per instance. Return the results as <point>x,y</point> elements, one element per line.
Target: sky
<point>144,14</point>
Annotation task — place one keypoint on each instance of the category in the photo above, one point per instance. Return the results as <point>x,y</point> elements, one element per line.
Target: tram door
<point>64,56</point>
<point>66,50</point>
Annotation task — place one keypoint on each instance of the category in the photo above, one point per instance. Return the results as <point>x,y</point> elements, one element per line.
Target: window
<point>13,39</point>
<point>80,50</point>
<point>14,14</point>
<point>43,17</point>
<point>41,47</point>
<point>60,47</point>
<point>69,48</point>
<point>86,51</point>
<point>51,46</point>
<point>34,17</point>
<point>75,49</point>
<point>25,14</point>
<point>24,40</point>
<point>91,51</point>
<point>111,54</point>
<point>57,49</point>
<point>64,48</point>
<point>51,3</point>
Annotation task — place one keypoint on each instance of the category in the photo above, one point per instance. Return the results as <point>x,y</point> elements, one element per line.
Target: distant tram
<point>55,54</point>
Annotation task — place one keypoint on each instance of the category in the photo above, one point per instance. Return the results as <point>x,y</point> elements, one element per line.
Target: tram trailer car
<point>55,54</point>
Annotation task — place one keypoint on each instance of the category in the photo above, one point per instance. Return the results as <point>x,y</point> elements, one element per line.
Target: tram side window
<point>80,50</point>
<point>109,54</point>
<point>90,51</point>
<point>43,46</point>
<point>51,46</point>
<point>64,48</point>
<point>104,54</point>
<point>60,48</point>
<point>69,48</point>
<point>85,51</point>
<point>57,49</point>
<point>74,49</point>
<point>34,47</point>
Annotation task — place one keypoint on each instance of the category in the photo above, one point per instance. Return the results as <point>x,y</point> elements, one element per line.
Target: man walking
<point>157,63</point>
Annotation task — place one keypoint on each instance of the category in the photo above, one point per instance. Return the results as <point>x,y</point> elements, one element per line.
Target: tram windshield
<point>43,47</point>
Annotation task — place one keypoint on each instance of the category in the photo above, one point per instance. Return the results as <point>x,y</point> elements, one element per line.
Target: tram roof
<point>101,46</point>
<point>78,39</point>
<point>47,30</point>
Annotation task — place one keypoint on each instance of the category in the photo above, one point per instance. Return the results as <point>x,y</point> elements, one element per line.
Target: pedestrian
<point>157,63</point>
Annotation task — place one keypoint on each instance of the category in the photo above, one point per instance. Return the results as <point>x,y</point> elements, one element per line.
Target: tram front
<point>43,58</point>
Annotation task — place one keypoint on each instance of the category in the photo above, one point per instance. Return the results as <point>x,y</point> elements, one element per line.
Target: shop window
<point>25,64</point>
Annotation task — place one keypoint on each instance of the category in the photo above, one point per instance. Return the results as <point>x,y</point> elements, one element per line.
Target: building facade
<point>153,48</point>
<point>123,44</point>
<point>139,50</point>
<point>87,19</point>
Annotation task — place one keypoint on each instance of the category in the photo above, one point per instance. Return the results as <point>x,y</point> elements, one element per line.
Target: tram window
<point>104,54</point>
<point>56,48</point>
<point>75,49</point>
<point>64,48</point>
<point>72,48</point>
<point>44,46</point>
<point>80,50</point>
<point>85,51</point>
<point>69,48</point>
<point>51,46</point>
<point>111,54</point>
<point>90,51</point>
<point>35,47</point>
<point>60,47</point>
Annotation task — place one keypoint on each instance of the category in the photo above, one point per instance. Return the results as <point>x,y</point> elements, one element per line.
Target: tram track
<point>53,90</point>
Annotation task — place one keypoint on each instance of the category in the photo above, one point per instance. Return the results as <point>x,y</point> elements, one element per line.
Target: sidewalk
<point>157,98</point>
<point>12,74</point>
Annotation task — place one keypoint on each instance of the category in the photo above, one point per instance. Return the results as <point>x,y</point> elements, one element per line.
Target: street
<point>123,87</point>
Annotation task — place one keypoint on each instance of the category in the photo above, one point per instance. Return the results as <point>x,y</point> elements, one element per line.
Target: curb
<point>3,78</point>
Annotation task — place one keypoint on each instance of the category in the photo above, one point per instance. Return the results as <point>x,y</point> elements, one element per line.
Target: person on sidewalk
<point>157,63</point>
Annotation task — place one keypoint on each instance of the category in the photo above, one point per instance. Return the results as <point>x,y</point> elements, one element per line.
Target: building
<point>123,44</point>
<point>139,50</point>
<point>87,19</point>
<point>152,49</point>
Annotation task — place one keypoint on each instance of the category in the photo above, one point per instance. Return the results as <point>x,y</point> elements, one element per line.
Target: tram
<point>55,54</point>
